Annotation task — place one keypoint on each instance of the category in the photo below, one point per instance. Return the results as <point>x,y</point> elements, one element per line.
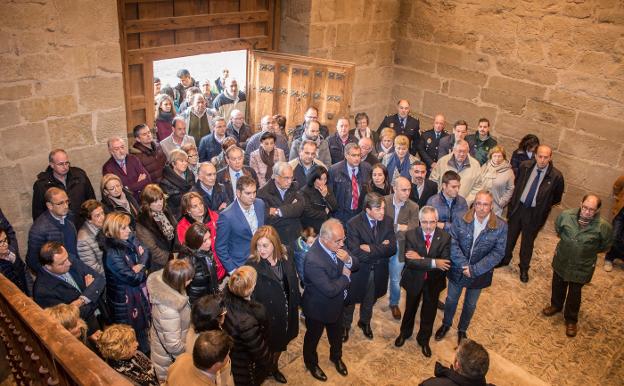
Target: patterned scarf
<point>268,159</point>
<point>163,223</point>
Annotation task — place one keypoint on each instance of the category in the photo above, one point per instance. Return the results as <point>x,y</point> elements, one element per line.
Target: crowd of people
<point>198,262</point>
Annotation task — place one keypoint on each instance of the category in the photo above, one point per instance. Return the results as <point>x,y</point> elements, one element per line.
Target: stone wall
<point>551,68</point>
<point>60,86</point>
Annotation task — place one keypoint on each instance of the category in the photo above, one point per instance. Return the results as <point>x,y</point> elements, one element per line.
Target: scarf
<point>367,135</point>
<point>397,167</point>
<point>165,116</point>
<point>122,201</point>
<point>234,98</point>
<point>163,223</point>
<point>199,112</point>
<point>584,221</point>
<point>268,159</point>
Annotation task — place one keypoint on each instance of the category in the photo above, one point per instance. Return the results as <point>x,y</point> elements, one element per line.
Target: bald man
<point>403,123</point>
<point>430,142</point>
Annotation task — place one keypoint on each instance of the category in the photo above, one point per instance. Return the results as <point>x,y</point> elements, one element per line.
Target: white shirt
<point>234,178</point>
<point>250,216</point>
<point>478,228</point>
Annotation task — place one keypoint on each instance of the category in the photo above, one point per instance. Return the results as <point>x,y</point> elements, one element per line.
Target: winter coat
<point>130,179</point>
<point>288,225</point>
<point>174,187</point>
<point>89,250</point>
<point>153,159</point>
<point>111,206</point>
<point>470,175</point>
<point>518,157</point>
<point>47,228</point>
<point>171,319</point>
<point>479,149</point>
<point>281,301</point>
<point>322,150</point>
<point>500,181</point>
<point>488,250</point>
<point>210,221</point>
<point>445,376</point>
<point>205,281</point>
<point>578,248</point>
<point>314,211</point>
<point>618,193</point>
<point>446,213</point>
<point>246,322</point>
<point>152,237</point>
<point>336,146</point>
<point>163,128</point>
<point>214,201</point>
<point>208,147</point>
<point>126,291</point>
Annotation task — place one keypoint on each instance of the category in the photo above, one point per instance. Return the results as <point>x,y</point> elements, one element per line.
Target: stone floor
<point>525,347</point>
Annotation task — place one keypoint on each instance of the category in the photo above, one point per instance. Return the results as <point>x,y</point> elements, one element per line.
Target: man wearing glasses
<point>583,234</point>
<point>60,174</point>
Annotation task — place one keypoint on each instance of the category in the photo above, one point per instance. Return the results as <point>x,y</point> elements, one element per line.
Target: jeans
<point>396,267</point>
<point>470,305</point>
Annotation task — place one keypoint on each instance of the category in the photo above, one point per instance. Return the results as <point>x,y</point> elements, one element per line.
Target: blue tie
<point>528,201</point>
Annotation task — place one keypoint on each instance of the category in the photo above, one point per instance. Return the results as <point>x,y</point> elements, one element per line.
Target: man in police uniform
<point>481,142</point>
<point>404,124</point>
<point>430,141</point>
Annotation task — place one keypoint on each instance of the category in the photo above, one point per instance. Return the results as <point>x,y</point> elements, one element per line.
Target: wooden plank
<point>196,21</point>
<point>156,38</point>
<point>225,31</point>
<point>146,1</point>
<point>184,8</point>
<point>175,51</point>
<point>303,59</point>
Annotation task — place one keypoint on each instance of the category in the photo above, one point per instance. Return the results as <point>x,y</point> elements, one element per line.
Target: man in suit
<point>347,179</point>
<point>339,140</point>
<point>422,187</point>
<point>238,223</point>
<point>430,142</point>
<point>126,166</point>
<point>460,131</point>
<point>370,238</point>
<point>426,261</point>
<point>229,175</point>
<point>404,214</point>
<point>328,270</point>
<point>284,203</point>
<point>211,191</point>
<point>538,188</point>
<point>404,124</point>
<point>69,281</point>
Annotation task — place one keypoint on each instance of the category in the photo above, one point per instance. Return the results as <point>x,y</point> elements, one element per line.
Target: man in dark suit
<point>328,270</point>
<point>238,223</point>
<point>422,187</point>
<point>69,281</point>
<point>427,258</point>
<point>339,140</point>
<point>403,123</point>
<point>370,238</point>
<point>211,191</point>
<point>347,179</point>
<point>539,187</point>
<point>284,203</point>
<point>430,141</point>
<point>229,176</point>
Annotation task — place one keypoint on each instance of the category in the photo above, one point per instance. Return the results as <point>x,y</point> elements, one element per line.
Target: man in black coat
<point>328,270</point>
<point>211,191</point>
<point>403,123</point>
<point>66,280</point>
<point>339,140</point>
<point>430,141</point>
<point>228,176</point>
<point>422,187</point>
<point>370,238</point>
<point>539,187</point>
<point>344,177</point>
<point>427,258</point>
<point>60,174</point>
<point>469,367</point>
<point>284,203</point>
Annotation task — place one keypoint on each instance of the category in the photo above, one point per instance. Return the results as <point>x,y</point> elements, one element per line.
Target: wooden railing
<point>40,352</point>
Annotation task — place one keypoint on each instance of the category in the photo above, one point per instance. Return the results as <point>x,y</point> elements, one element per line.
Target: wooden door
<point>288,84</point>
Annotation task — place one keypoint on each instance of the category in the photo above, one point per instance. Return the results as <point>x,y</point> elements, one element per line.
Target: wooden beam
<point>195,21</point>
<point>174,51</point>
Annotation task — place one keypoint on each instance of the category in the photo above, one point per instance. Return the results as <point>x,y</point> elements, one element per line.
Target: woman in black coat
<point>156,227</point>
<point>525,151</point>
<point>246,322</point>
<point>177,179</point>
<point>277,288</point>
<point>116,198</point>
<point>198,251</point>
<point>320,200</point>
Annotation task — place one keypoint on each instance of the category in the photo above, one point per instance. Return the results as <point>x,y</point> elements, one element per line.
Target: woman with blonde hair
<point>277,288</point>
<point>177,179</point>
<point>193,158</point>
<point>246,322</point>
<point>385,145</point>
<point>399,162</point>
<point>69,317</point>
<point>126,265</point>
<point>498,177</point>
<point>164,114</point>
<point>118,346</point>
<point>116,198</point>
<point>171,313</point>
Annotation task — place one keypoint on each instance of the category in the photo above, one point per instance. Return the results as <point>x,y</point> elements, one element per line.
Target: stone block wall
<point>60,86</point>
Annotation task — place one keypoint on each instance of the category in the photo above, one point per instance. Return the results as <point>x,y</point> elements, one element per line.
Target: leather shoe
<point>550,310</point>
<point>345,335</point>
<point>396,312</point>
<point>317,373</point>
<point>366,329</point>
<point>461,336</point>
<point>426,350</point>
<point>279,377</point>
<point>570,329</point>
<point>399,341</point>
<point>441,333</point>
<point>524,275</point>
<point>341,367</point>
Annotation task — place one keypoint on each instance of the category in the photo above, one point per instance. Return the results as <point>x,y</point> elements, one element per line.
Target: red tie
<point>427,245</point>
<point>354,189</point>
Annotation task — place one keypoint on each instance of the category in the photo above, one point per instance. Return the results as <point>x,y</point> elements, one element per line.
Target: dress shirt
<point>527,187</point>
<point>234,177</point>
<point>250,216</point>
<point>478,228</point>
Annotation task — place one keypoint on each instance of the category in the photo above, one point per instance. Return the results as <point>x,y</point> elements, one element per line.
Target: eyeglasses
<point>587,209</point>
<point>66,163</point>
<point>4,241</point>
<point>193,155</point>
<point>61,203</point>
<point>286,177</point>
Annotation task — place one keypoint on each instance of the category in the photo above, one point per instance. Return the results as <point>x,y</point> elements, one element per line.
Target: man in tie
<point>422,187</point>
<point>67,280</point>
<point>126,166</point>
<point>403,123</point>
<point>539,187</point>
<point>370,238</point>
<point>430,141</point>
<point>328,270</point>
<point>427,258</point>
<point>211,191</point>
<point>347,179</point>
<point>228,176</point>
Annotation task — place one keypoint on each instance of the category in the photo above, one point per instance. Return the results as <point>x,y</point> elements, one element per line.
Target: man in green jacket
<point>583,234</point>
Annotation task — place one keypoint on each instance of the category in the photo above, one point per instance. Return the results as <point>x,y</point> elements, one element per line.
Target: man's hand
<point>401,227</point>
<point>467,271</point>
<point>440,225</point>
<point>365,247</point>
<point>140,250</point>
<point>342,255</point>
<point>442,264</point>
<point>272,211</point>
<point>386,242</point>
<point>412,255</point>
<point>88,279</point>
<point>142,176</point>
<point>346,271</point>
<point>95,336</point>
<point>137,268</point>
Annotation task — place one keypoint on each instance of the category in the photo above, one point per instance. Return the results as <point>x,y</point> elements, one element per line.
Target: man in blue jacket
<point>478,242</point>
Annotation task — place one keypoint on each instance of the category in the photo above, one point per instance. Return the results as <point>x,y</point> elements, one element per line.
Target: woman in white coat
<point>498,177</point>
